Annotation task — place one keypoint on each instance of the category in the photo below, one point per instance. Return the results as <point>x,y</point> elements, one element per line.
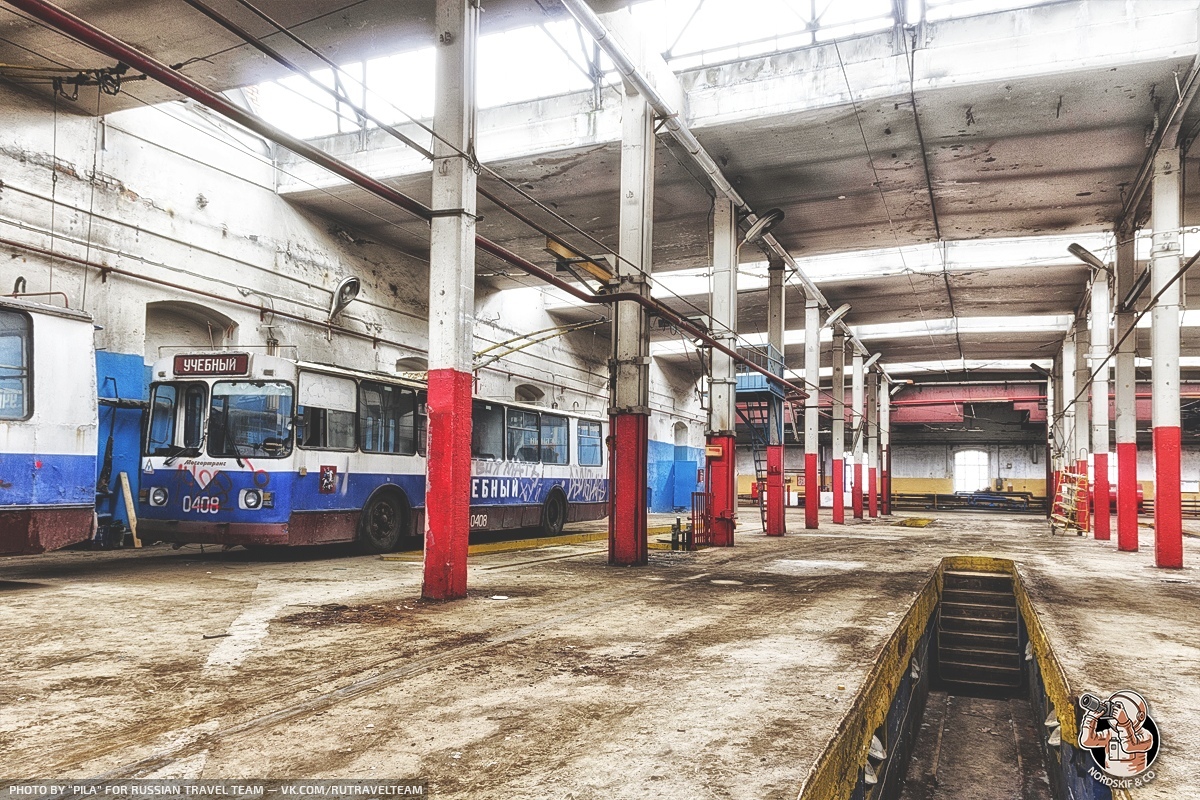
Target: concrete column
<point>857,417</point>
<point>1099,340</point>
<point>885,448</point>
<point>839,427</point>
<point>812,385</point>
<point>776,526</point>
<point>873,443</point>
<point>721,470</point>
<point>1067,404</point>
<point>1083,430</point>
<point>629,374</point>
<point>1164,354</point>
<point>451,306</point>
<point>1126,401</point>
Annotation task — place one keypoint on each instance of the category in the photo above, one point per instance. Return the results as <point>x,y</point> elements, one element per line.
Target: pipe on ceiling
<point>93,37</point>
<point>595,27</point>
<point>1167,132</point>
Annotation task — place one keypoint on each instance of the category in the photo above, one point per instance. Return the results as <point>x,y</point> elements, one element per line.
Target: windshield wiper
<point>177,452</point>
<point>230,442</point>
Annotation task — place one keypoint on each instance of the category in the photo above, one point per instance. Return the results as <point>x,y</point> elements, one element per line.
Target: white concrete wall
<point>174,194</point>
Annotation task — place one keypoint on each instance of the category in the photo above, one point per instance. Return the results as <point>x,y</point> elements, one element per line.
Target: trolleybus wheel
<point>554,514</point>
<point>382,524</point>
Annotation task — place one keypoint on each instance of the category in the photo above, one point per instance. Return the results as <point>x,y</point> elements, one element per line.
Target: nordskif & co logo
<point>1121,737</point>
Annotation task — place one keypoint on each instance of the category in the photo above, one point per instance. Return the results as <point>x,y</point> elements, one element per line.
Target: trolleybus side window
<point>326,429</point>
<point>326,412</point>
<point>590,443</point>
<point>161,436</point>
<point>422,422</point>
<point>16,395</point>
<point>487,431</point>
<point>386,418</point>
<point>522,435</point>
<point>556,440</point>
<point>250,419</point>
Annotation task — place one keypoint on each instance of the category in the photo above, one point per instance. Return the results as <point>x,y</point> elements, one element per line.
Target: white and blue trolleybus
<point>48,427</point>
<point>259,450</point>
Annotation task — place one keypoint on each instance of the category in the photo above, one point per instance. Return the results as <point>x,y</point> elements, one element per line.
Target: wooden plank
<point>130,510</point>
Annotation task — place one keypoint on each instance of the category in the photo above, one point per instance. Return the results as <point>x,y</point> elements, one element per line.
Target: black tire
<point>383,523</point>
<point>554,514</point>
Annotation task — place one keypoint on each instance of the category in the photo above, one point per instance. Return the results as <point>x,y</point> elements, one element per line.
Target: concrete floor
<point>714,674</point>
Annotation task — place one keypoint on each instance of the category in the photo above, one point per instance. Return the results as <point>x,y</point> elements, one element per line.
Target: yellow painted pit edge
<point>835,773</point>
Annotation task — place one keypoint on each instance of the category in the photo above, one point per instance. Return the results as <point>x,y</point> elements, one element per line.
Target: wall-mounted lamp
<point>1040,370</point>
<point>1086,256</point>
<point>343,295</point>
<point>867,364</point>
<point>837,314</point>
<point>763,225</point>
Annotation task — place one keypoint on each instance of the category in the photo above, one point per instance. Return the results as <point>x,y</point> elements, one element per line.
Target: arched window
<point>176,325</point>
<point>528,393</point>
<point>413,367</point>
<point>970,471</point>
<point>681,440</point>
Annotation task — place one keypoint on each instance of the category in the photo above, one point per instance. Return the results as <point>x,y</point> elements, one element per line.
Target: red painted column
<point>839,499</point>
<point>873,489</point>
<point>812,490</point>
<point>448,492</point>
<point>775,497</point>
<point>451,307</point>
<point>722,490</point>
<point>628,453</point>
<point>1165,250</point>
<point>1168,508</point>
<point>1101,506</point>
<point>1127,512</point>
<point>856,491</point>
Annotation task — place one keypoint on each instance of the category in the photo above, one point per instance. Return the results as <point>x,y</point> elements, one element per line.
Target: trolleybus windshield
<point>250,419</point>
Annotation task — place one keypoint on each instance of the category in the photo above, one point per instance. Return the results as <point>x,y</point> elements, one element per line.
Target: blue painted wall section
<point>668,477</point>
<point>126,376</point>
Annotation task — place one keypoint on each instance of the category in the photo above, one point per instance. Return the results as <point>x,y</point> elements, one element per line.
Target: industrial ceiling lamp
<point>343,295</point>
<point>763,225</point>
<point>867,364</point>
<point>1086,256</point>
<point>837,314</point>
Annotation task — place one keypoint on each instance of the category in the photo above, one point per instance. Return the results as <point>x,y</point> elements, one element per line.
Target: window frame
<point>541,440</point>
<point>599,437</point>
<point>326,448</point>
<point>27,378</point>
<point>174,417</point>
<point>363,386</point>
<point>508,441</point>
<point>289,440</point>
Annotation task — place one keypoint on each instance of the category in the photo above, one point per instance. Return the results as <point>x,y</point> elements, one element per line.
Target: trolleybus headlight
<point>252,499</point>
<point>158,496</point>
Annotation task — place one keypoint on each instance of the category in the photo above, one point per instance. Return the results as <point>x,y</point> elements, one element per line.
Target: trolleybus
<point>259,450</point>
<point>48,427</point>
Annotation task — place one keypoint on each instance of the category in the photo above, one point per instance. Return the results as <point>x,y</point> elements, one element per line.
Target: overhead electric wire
<point>256,42</point>
<point>1116,347</point>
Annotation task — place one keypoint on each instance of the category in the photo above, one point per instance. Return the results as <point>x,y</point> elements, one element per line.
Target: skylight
<point>553,58</point>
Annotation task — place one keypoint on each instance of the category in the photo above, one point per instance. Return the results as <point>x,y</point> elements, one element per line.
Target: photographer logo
<point>1121,737</point>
